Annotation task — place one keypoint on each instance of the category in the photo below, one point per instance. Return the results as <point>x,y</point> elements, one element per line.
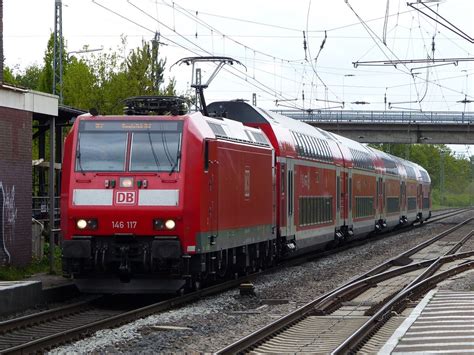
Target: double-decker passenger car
<point>160,202</point>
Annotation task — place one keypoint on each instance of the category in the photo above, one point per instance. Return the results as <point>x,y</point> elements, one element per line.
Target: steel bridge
<point>433,127</point>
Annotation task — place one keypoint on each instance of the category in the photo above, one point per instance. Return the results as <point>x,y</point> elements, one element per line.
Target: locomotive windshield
<point>157,151</point>
<point>101,151</point>
<point>154,146</point>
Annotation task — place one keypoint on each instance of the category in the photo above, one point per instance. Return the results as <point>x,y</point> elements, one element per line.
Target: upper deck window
<point>308,146</point>
<point>362,160</point>
<point>390,166</point>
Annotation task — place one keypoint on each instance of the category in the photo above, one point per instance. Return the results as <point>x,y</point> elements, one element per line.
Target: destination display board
<point>98,125</point>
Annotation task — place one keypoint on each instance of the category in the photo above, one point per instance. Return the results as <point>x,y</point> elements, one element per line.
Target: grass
<point>14,273</point>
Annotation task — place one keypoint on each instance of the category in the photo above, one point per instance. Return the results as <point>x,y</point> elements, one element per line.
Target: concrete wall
<point>15,186</point>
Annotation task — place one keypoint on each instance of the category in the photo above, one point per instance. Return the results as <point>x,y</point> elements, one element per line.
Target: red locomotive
<point>158,203</point>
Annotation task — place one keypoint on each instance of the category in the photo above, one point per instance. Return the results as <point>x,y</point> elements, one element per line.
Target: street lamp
<point>442,153</point>
<point>85,50</point>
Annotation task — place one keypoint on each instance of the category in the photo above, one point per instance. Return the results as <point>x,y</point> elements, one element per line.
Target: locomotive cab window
<point>101,151</point>
<point>155,151</point>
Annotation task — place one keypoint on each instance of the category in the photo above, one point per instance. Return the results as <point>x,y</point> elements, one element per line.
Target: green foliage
<point>100,80</point>
<point>104,80</point>
<point>12,273</point>
<point>30,78</point>
<point>46,78</point>
<point>78,84</point>
<point>8,76</point>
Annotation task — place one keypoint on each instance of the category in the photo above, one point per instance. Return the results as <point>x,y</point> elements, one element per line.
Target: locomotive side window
<point>101,151</point>
<point>206,155</point>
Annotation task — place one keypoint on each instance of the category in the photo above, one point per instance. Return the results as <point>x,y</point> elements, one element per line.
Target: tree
<point>47,74</point>
<point>8,76</point>
<point>79,84</point>
<point>117,78</point>
<point>30,78</point>
<point>145,70</point>
<point>101,80</point>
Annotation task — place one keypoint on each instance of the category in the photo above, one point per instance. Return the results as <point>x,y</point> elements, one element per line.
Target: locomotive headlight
<point>87,223</point>
<point>126,182</point>
<point>170,224</point>
<point>81,223</point>
<point>160,224</point>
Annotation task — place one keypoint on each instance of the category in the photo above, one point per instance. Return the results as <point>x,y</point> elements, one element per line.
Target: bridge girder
<point>401,133</point>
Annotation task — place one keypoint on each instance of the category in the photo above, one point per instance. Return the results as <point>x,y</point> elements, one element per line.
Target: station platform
<point>38,289</point>
<point>443,322</point>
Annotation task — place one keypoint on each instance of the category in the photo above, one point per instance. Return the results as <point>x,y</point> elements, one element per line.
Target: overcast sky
<point>266,36</point>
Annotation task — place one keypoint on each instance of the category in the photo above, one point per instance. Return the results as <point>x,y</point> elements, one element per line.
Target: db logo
<point>125,198</point>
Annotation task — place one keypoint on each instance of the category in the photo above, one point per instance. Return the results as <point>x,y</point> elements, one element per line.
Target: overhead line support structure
<point>395,62</point>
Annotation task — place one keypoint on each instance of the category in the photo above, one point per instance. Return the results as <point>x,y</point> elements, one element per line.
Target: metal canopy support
<point>196,81</point>
<point>52,160</point>
<point>58,51</point>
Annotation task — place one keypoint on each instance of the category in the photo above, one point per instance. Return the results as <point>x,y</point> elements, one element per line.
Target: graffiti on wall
<point>8,215</point>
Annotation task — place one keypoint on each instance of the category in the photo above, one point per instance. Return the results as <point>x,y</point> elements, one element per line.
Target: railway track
<point>54,327</point>
<point>351,316</point>
<point>48,329</point>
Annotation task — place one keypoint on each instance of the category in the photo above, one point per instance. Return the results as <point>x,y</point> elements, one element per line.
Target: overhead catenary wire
<point>385,23</point>
<point>313,65</point>
<point>396,61</point>
<point>445,23</point>
<point>257,83</point>
<point>274,58</point>
<point>291,29</point>
<point>304,76</point>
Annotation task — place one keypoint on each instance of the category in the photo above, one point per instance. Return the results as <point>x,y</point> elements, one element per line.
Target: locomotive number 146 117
<point>124,224</point>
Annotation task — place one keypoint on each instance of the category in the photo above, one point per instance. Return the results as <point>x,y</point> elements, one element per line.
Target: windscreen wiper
<point>153,150</point>
<point>175,165</point>
<point>78,155</point>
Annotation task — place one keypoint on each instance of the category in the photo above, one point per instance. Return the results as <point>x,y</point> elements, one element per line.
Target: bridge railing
<point>428,117</point>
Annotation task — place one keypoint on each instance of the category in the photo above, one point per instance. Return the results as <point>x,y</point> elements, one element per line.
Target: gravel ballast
<point>216,321</point>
